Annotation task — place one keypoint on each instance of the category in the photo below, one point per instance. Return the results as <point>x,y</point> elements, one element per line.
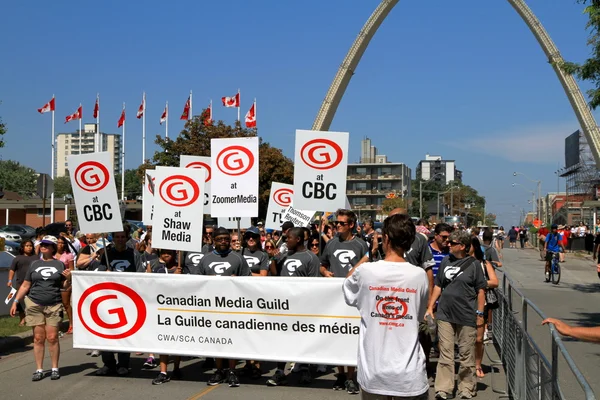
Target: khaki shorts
<point>42,315</point>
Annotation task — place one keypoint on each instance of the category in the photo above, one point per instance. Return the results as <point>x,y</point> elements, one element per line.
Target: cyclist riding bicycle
<point>553,245</point>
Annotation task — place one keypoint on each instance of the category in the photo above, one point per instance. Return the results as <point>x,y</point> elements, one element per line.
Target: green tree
<point>18,178</point>
<point>194,140</point>
<point>133,184</point>
<point>388,205</point>
<point>62,186</point>
<point>590,69</point>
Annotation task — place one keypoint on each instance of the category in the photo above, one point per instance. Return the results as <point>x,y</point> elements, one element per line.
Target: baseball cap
<point>554,226</point>
<point>48,239</point>
<point>220,231</point>
<point>287,225</point>
<point>259,223</point>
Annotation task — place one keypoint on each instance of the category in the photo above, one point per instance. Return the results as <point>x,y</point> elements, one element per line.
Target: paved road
<point>575,299</point>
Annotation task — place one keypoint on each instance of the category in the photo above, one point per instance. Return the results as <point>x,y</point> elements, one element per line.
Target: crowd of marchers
<point>448,269</point>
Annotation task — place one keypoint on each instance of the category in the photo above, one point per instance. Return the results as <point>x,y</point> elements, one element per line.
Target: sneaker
<point>150,363</point>
<point>465,395</point>
<point>278,379</point>
<point>177,375</point>
<point>160,379</point>
<point>441,395</point>
<point>54,375</point>
<point>122,371</point>
<point>547,276</point>
<point>95,353</point>
<point>295,367</point>
<point>233,380</point>
<point>305,377</point>
<point>37,376</point>
<point>104,371</point>
<point>352,387</point>
<point>217,378</point>
<point>340,382</point>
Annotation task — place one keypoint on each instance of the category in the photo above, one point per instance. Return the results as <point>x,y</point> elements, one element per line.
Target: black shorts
<point>549,255</point>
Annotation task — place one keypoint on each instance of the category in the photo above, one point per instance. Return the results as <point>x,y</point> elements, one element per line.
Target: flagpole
<point>239,104</point>
<point>210,115</point>
<point>255,115</point>
<point>123,161</point>
<point>191,113</point>
<point>144,129</point>
<point>52,174</point>
<point>167,121</point>
<point>98,134</point>
<point>80,135</point>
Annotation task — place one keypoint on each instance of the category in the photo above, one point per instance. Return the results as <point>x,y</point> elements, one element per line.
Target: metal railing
<point>529,372</point>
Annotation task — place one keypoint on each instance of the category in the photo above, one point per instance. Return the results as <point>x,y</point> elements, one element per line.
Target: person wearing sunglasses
<point>313,244</point>
<point>223,261</point>
<point>391,363</point>
<point>460,287</point>
<point>340,255</point>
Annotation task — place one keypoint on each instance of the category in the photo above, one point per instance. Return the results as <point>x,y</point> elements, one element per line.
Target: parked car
<point>25,231</point>
<point>11,236</point>
<point>6,259</point>
<point>12,247</point>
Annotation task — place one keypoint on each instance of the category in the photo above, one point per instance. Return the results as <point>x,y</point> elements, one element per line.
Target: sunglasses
<point>314,245</point>
<point>445,237</point>
<point>453,243</point>
<point>269,247</point>
<point>223,239</point>
<point>342,223</point>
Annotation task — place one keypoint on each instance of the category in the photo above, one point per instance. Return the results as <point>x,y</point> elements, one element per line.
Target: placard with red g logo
<point>91,176</point>
<point>111,310</point>
<point>235,160</point>
<point>200,164</point>
<point>321,154</point>
<point>179,191</point>
<point>283,196</point>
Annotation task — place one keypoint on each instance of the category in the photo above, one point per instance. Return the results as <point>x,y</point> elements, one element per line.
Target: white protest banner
<point>320,164</point>
<point>200,162</point>
<point>279,200</point>
<point>235,177</point>
<point>178,208</point>
<point>242,318</point>
<point>300,218</point>
<point>95,193</point>
<point>232,222</point>
<point>148,197</point>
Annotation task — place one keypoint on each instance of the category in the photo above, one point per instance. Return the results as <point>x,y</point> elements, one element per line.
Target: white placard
<point>231,222</point>
<point>234,165</point>
<point>241,318</point>
<point>148,197</point>
<point>279,200</point>
<point>200,162</point>
<point>300,218</point>
<point>320,168</point>
<point>178,208</point>
<point>10,295</point>
<point>95,193</point>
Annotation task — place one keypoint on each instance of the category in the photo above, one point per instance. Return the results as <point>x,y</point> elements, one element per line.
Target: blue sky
<point>465,79</point>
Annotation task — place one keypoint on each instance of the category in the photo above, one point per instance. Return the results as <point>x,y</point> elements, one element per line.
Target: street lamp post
<point>421,193</point>
<point>532,197</point>
<point>539,191</point>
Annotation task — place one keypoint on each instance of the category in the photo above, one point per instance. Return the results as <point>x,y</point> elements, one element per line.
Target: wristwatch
<point>479,313</point>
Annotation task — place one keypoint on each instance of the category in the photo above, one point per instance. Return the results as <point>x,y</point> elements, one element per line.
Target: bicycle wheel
<point>555,272</point>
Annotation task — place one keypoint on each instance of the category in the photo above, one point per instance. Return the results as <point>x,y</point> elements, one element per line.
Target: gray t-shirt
<point>127,260</point>
<point>46,281</point>
<point>20,265</point>
<point>257,260</point>
<point>228,264</point>
<point>191,261</point>
<point>298,263</point>
<point>419,253</point>
<point>458,302</point>
<point>340,256</point>
<point>490,254</point>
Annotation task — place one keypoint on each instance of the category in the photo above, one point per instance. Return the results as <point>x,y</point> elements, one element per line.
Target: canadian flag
<point>251,117</point>
<point>208,115</point>
<point>165,114</point>
<point>231,101</point>
<point>97,106</point>
<point>122,119</point>
<point>186,110</point>
<point>49,106</point>
<point>140,112</point>
<point>76,115</point>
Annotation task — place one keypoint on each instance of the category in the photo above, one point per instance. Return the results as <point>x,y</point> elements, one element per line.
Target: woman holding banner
<point>43,304</point>
<point>65,255</point>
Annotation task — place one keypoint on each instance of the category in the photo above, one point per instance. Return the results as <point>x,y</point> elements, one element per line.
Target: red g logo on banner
<point>283,196</point>
<point>235,160</point>
<point>179,191</point>
<point>392,308</point>
<point>110,301</point>
<point>92,176</point>
<point>321,154</point>
<point>200,164</point>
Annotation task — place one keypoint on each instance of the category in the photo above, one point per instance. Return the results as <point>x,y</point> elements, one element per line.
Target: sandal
<point>479,372</point>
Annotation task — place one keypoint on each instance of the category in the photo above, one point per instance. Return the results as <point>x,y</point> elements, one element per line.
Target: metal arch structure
<point>342,78</point>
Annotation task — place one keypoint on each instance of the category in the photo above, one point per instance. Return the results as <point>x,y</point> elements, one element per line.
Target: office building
<point>442,171</point>
<point>68,144</point>
<point>373,179</point>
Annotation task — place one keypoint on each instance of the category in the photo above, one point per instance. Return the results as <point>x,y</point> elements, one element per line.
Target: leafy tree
<point>590,69</point>
<point>62,186</point>
<point>18,178</point>
<point>2,132</point>
<point>133,184</point>
<point>388,205</point>
<point>194,140</point>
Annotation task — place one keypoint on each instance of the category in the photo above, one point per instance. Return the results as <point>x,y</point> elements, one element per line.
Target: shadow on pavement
<point>586,319</point>
<point>587,288</point>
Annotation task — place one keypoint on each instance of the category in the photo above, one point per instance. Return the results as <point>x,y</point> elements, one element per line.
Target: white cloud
<point>542,144</point>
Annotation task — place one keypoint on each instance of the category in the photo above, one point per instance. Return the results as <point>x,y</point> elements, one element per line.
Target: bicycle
<point>554,269</point>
